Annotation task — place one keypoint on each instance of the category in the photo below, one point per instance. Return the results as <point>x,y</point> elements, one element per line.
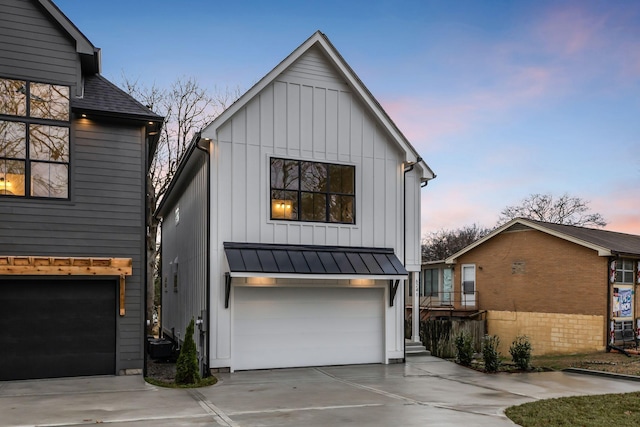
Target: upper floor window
<point>624,271</point>
<point>34,139</point>
<point>312,191</point>
<point>431,283</point>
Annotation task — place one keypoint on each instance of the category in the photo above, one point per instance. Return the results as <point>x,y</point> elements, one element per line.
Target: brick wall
<point>549,333</point>
<point>531,271</point>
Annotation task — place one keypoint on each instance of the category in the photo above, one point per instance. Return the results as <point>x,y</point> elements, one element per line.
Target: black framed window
<point>312,191</point>
<point>34,139</point>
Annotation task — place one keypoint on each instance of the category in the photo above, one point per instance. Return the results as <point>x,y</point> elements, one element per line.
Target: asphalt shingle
<point>100,95</point>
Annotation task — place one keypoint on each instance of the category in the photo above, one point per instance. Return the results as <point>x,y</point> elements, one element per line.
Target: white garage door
<point>288,327</point>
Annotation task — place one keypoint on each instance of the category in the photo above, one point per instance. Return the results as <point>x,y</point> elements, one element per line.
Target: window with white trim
<point>624,270</point>
<point>468,279</point>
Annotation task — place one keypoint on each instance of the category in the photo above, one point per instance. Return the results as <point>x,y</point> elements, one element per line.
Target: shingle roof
<point>261,258</point>
<point>628,244</point>
<point>100,95</point>
<point>606,243</point>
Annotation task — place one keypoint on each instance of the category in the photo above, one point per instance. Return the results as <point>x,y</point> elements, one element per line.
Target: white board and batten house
<point>293,224</point>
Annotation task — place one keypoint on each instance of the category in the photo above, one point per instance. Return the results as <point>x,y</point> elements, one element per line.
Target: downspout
<point>408,169</point>
<point>609,316</point>
<point>145,271</point>
<point>208,254</point>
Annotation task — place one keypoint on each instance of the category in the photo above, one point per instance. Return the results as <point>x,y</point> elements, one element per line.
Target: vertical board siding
<point>308,112</point>
<point>186,241</point>
<point>103,218</point>
<point>32,47</point>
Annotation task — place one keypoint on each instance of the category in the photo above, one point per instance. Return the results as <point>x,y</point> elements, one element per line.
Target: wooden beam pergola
<point>68,266</point>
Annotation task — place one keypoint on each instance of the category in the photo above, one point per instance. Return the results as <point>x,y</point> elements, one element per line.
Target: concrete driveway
<point>424,391</point>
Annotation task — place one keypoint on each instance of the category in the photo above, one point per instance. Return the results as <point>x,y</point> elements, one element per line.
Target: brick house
<point>569,289</point>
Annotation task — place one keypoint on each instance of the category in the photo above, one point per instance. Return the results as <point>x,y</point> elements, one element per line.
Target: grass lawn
<point>600,361</point>
<point>619,410</point>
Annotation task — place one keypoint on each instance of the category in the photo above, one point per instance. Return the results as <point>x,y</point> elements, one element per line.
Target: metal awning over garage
<point>312,261</point>
<point>303,261</point>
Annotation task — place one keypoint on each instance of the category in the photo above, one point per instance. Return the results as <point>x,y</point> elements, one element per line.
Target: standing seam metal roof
<point>312,259</point>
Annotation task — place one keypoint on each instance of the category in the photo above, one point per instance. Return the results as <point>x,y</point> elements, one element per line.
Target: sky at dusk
<point>502,99</point>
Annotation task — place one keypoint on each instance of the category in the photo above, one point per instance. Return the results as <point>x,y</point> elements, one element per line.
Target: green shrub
<point>464,348</point>
<point>490,353</point>
<point>520,351</point>
<point>187,371</point>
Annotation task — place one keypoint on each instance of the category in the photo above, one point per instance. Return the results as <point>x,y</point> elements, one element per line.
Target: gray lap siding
<point>103,218</point>
<point>32,47</point>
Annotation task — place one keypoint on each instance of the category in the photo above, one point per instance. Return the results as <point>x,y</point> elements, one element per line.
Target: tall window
<point>312,191</point>
<point>34,139</point>
<point>431,282</point>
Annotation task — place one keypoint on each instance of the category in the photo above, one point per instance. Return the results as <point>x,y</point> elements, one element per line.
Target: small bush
<point>464,348</point>
<point>520,351</point>
<point>490,353</point>
<point>187,371</point>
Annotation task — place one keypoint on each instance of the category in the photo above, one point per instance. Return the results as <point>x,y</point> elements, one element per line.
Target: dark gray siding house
<point>74,152</point>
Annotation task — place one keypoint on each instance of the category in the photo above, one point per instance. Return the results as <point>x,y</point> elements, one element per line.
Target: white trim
<point>468,300</point>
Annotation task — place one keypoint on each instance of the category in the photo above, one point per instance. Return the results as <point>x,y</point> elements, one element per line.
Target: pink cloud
<point>586,40</point>
<point>569,29</point>
<point>421,120</point>
<point>619,208</point>
<point>428,119</point>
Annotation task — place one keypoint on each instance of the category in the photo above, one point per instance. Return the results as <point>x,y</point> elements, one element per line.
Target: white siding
<point>306,121</point>
<point>186,242</point>
<point>307,112</point>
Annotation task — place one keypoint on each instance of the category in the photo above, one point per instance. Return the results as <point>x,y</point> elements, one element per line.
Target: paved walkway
<point>424,391</point>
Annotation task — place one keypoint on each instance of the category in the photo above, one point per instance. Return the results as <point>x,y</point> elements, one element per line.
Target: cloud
<point>570,29</point>
<point>619,206</point>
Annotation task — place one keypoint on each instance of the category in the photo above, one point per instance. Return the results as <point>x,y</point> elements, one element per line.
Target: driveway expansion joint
<point>218,414</point>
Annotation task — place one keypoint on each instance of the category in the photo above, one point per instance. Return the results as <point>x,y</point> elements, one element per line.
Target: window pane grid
<point>320,192</point>
<point>624,271</point>
<point>34,154</point>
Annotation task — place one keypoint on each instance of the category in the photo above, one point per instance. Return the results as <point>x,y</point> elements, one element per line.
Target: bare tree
<point>441,244</point>
<point>563,210</point>
<point>187,108</point>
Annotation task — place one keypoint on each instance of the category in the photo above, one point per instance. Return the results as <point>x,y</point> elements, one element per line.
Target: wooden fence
<point>438,335</point>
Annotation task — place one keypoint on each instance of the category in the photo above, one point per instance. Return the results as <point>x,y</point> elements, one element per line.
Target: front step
<point>415,349</point>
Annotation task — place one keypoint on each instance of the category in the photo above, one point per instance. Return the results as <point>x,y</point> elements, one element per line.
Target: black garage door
<point>57,328</point>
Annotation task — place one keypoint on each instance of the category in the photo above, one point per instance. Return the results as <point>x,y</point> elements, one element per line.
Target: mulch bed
<point>163,370</point>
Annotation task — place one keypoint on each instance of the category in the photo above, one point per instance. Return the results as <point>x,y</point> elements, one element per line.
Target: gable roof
<point>89,54</point>
<point>606,243</point>
<point>98,95</point>
<point>321,41</point>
